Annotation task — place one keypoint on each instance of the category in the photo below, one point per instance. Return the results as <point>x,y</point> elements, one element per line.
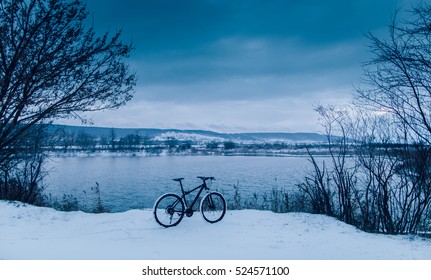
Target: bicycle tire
<point>213,207</point>
<point>169,210</point>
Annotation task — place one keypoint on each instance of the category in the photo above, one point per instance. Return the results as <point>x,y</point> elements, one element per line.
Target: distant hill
<point>193,134</point>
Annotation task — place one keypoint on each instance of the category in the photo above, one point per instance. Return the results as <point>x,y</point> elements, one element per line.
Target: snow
<point>29,232</point>
<point>187,137</point>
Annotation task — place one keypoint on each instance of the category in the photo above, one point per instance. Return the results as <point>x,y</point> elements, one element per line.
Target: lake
<point>135,182</point>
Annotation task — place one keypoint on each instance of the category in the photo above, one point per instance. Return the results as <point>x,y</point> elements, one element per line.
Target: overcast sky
<point>240,66</point>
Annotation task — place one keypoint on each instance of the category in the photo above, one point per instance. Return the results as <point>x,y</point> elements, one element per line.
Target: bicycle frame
<point>201,188</point>
<point>170,208</point>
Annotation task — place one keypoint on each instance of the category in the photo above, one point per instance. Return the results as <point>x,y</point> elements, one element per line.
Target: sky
<point>240,66</point>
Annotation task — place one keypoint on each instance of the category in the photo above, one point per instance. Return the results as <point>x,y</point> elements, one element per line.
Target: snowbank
<point>29,232</point>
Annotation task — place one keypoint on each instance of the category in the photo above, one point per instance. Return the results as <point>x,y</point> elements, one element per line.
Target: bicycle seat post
<point>181,184</point>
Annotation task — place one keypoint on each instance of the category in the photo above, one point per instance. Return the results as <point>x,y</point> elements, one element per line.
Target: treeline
<point>64,141</point>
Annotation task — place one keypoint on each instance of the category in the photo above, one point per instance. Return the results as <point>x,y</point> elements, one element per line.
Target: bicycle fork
<point>211,204</point>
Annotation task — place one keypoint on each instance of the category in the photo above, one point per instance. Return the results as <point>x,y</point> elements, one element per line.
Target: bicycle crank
<point>189,212</point>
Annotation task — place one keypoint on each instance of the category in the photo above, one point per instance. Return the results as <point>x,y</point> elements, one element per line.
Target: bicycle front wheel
<point>169,210</point>
<point>213,207</point>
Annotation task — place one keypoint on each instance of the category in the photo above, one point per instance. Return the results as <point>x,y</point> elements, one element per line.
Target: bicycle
<point>169,209</point>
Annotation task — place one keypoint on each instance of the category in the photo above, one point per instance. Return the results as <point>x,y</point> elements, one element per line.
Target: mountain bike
<point>169,209</point>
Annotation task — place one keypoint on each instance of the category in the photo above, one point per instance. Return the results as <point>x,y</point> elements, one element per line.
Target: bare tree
<point>371,181</point>
<point>53,66</point>
<point>317,188</point>
<point>398,77</point>
<point>331,187</point>
<point>386,185</point>
<point>20,179</point>
<point>340,128</point>
<point>398,84</point>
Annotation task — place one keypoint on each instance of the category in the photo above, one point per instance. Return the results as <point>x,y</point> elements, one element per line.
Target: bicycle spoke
<point>169,210</point>
<point>213,207</point>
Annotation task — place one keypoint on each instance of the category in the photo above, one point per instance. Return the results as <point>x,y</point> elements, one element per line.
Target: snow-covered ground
<point>29,232</point>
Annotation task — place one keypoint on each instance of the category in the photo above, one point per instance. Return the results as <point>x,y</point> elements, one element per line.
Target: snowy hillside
<point>184,136</point>
<point>30,232</point>
<point>199,135</point>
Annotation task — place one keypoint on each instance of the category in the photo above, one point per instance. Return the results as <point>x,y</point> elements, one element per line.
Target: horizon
<point>185,130</point>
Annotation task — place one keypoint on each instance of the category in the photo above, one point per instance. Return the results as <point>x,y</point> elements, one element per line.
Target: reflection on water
<point>135,182</point>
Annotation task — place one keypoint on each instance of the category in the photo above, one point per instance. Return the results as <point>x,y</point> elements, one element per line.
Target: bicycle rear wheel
<point>213,207</point>
<point>169,210</point>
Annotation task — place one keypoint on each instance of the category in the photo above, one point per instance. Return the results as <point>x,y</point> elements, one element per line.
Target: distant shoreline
<point>107,153</point>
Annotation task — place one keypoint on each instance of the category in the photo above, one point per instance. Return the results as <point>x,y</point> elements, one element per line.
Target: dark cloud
<point>203,51</point>
<point>165,25</point>
<point>194,41</point>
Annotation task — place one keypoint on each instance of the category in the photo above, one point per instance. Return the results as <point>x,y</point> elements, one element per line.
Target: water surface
<point>128,182</point>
